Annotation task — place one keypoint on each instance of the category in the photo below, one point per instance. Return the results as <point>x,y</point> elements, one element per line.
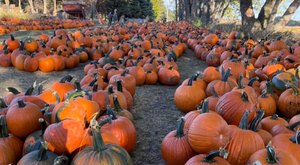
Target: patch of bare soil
<point>154,110</point>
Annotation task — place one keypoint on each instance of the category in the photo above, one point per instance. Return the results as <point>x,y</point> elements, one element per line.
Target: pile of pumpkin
<point>88,121</point>
<point>65,50</point>
<point>237,121</point>
<point>8,25</point>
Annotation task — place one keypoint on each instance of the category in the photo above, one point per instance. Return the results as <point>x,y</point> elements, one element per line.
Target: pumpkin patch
<point>238,107</point>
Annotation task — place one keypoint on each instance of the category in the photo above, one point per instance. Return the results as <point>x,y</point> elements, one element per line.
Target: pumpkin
<point>243,142</point>
<point>265,135</point>
<point>214,158</point>
<point>236,67</point>
<point>222,86</point>
<point>34,140</point>
<point>269,122</point>
<point>5,58</point>
<point>30,45</point>
<point>289,101</point>
<point>65,136</point>
<point>138,72</point>
<point>168,76</point>
<point>121,97</point>
<point>126,93</point>
<point>63,86</point>
<point>211,39</point>
<point>10,140</point>
<point>288,143</point>
<point>189,117</point>
<point>22,118</point>
<point>211,73</point>
<point>46,64</point>
<point>188,96</point>
<point>31,63</point>
<point>7,155</point>
<point>101,153</point>
<point>12,43</point>
<point>271,155</point>
<point>281,79</point>
<point>151,78</point>
<point>294,119</point>
<point>233,105</point>
<point>41,157</point>
<point>129,81</point>
<point>267,102</point>
<point>123,129</point>
<point>175,147</point>
<point>120,111</point>
<point>208,132</point>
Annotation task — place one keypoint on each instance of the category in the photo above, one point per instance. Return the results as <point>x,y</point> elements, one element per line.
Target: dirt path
<point>154,111</point>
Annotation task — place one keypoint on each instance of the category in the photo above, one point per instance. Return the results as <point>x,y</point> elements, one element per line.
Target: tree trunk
<point>180,9</point>
<point>20,5</point>
<point>248,19</point>
<point>31,6</point>
<point>274,11</point>
<point>6,2</point>
<point>187,8</point>
<point>265,13</point>
<point>288,13</point>
<point>176,10</point>
<point>45,7</point>
<point>54,8</point>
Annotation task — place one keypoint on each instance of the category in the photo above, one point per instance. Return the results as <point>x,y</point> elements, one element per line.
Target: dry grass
<point>14,13</point>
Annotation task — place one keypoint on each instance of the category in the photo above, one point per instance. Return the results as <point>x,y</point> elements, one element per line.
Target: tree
<point>266,17</point>
<point>31,6</point>
<point>54,8</point>
<point>207,11</point>
<point>45,6</point>
<point>159,9</point>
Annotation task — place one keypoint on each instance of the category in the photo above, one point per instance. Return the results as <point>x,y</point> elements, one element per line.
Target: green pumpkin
<point>282,79</point>
<point>102,154</point>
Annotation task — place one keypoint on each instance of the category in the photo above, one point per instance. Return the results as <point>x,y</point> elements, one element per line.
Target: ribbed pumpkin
<point>168,76</point>
<point>270,156</point>
<point>243,143</point>
<point>288,143</point>
<point>288,102</point>
<point>213,158</point>
<point>10,140</point>
<point>269,122</point>
<point>188,96</point>
<point>39,157</point>
<point>101,154</point>
<point>175,147</point>
<point>233,105</point>
<point>222,86</point>
<point>123,129</point>
<point>129,81</point>
<point>208,132</point>
<point>22,118</point>
<point>65,136</point>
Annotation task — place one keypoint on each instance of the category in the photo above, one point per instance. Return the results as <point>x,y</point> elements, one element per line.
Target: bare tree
<point>54,8</point>
<point>45,7</point>
<point>31,6</point>
<point>289,13</point>
<point>6,2</point>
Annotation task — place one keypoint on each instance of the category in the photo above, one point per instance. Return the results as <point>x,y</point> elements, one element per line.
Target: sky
<point>171,5</point>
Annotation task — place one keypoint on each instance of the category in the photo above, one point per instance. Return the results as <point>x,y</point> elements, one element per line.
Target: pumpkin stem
<point>240,82</point>
<point>271,154</point>
<point>2,103</point>
<point>297,74</point>
<point>67,78</point>
<point>97,137</point>
<point>117,106</point>
<point>95,88</point>
<point>119,86</point>
<point>126,71</point>
<point>245,97</point>
<point>205,107</point>
<point>61,160</point>
<point>13,90</point>
<point>42,154</point>
<point>112,67</point>
<point>293,126</point>
<point>244,121</point>
<point>225,74</point>
<point>3,127</point>
<point>179,128</point>
<point>78,86</point>
<point>213,92</point>
<point>296,139</point>
<point>190,82</point>
<point>75,95</point>
<point>43,125</point>
<point>295,90</point>
<point>21,104</point>
<point>274,117</point>
<point>111,113</point>
<point>110,90</point>
<point>254,123</point>
<point>210,157</point>
<point>252,80</point>
<point>152,59</point>
<point>30,90</point>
